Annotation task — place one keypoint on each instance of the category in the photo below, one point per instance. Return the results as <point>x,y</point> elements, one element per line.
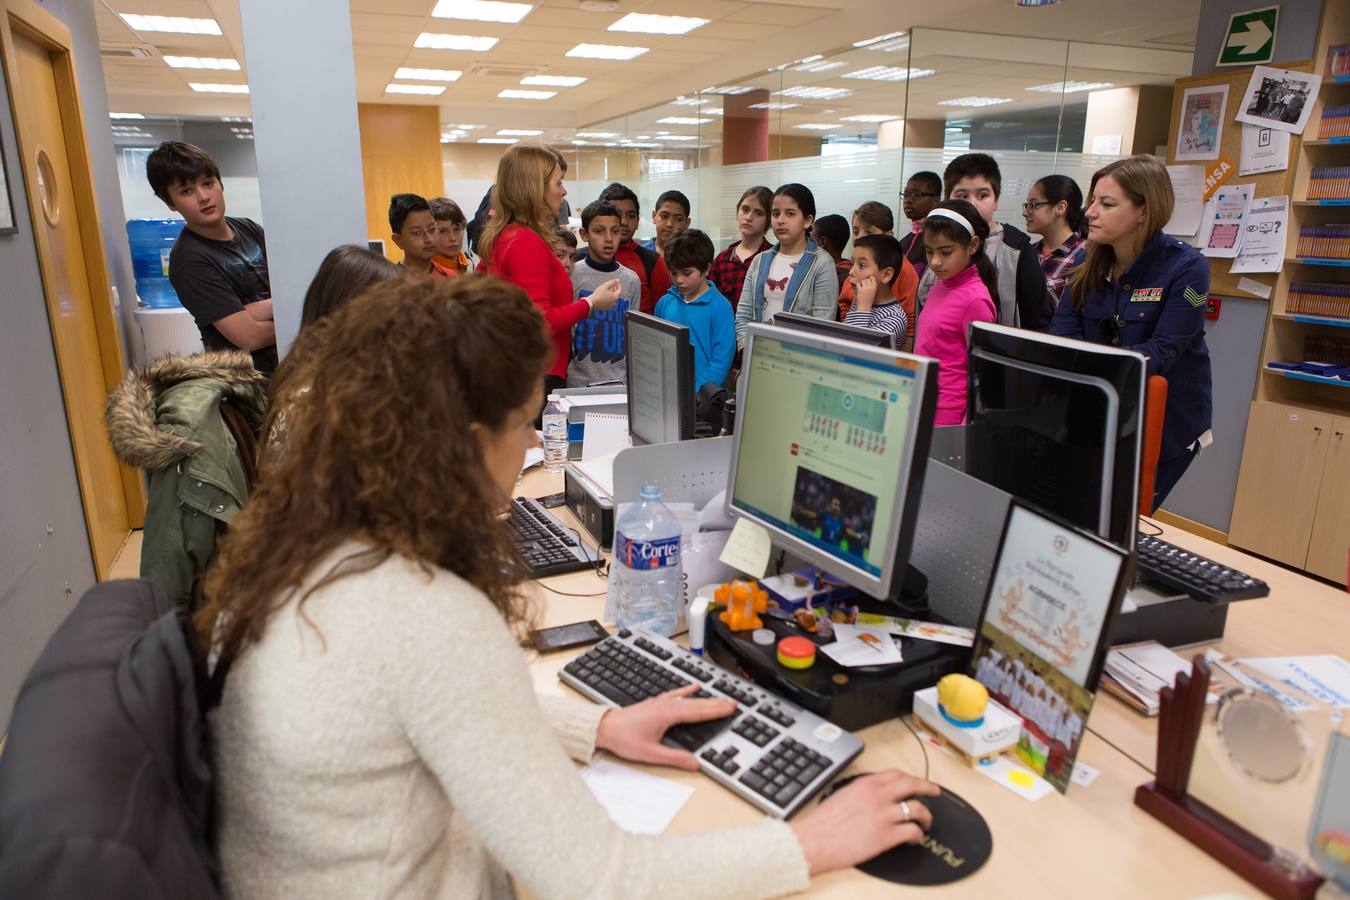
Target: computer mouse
<point>956,846</point>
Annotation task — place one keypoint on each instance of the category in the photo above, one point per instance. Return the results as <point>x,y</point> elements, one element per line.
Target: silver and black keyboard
<point>771,752</point>
<point>547,546</point>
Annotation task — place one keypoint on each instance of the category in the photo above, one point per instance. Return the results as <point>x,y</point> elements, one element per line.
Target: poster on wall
<point>1200,129</point>
<point>7,225</point>
<point>1263,150</point>
<point>1279,99</point>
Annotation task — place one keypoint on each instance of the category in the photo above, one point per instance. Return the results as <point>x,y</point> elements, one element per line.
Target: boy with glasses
<point>415,233</point>
<point>923,192</point>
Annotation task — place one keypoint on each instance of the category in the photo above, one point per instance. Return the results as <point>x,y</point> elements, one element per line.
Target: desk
<point>1092,839</point>
<point>1301,617</point>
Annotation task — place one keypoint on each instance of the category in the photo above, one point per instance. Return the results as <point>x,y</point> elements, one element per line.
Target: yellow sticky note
<point>1020,778</point>
<point>748,548</point>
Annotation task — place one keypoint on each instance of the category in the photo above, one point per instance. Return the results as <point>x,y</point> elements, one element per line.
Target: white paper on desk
<point>1084,774</point>
<point>748,548</point>
<point>1225,221</point>
<point>856,645</point>
<point>1326,678</point>
<point>637,802</point>
<point>1188,191</point>
<point>533,457</point>
<point>604,434</point>
<point>1263,150</point>
<point>1016,779</point>
<point>1264,240</point>
<point>599,472</point>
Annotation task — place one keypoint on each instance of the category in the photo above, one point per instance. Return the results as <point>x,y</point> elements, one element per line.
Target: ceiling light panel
<point>171,24</point>
<point>126,115</point>
<point>895,45</point>
<point>816,126</point>
<point>773,104</point>
<point>202,62</point>
<point>432,40</point>
<point>879,39</point>
<point>975,102</point>
<point>871,117</point>
<point>464,127</point>
<point>681,120</point>
<point>597,135</point>
<point>645,23</point>
<point>606,51</point>
<point>807,92</point>
<point>678,137</point>
<point>688,101</point>
<point>498,141</point>
<point>481,10</point>
<point>730,91</point>
<point>889,73</point>
<point>819,67</point>
<point>513,94</point>
<point>519,132</point>
<point>430,90</point>
<point>1071,87</point>
<point>218,88</point>
<point>553,80</point>
<point>405,73</point>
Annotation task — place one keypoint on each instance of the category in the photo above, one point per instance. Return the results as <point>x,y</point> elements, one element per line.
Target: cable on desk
<point>601,568</point>
<point>922,745</point>
<point>1143,521</point>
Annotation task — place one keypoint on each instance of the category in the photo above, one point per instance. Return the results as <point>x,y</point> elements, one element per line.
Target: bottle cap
<point>762,636</point>
<point>552,397</point>
<point>651,492</point>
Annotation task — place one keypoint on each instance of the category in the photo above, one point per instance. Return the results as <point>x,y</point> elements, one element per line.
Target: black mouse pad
<point>956,846</point>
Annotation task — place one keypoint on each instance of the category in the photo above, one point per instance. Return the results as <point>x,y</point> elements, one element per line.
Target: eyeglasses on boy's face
<point>1110,330</point>
<point>918,195</point>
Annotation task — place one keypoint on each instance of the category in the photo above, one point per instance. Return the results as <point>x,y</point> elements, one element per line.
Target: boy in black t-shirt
<point>218,265</point>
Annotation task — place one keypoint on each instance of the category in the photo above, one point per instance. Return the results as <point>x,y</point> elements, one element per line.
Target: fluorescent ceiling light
<point>1071,87</point>
<point>553,80</point>
<point>581,143</point>
<point>481,10</point>
<point>431,90</point>
<point>126,115</point>
<point>892,46</point>
<point>432,40</point>
<point>715,111</point>
<point>171,24</point>
<point>688,101</point>
<point>446,140</point>
<point>870,117</point>
<point>806,92</point>
<point>514,94</point>
<point>606,51</point>
<point>682,120</point>
<point>235,119</point>
<point>405,73</point>
<point>740,89</point>
<point>498,141</point>
<point>889,73</point>
<point>242,130</point>
<point>975,101</point>
<point>597,135</point>
<point>202,62</point>
<point>465,127</point>
<point>879,38</point>
<point>218,88</point>
<point>645,23</point>
<point>244,137</point>
<point>519,132</point>
<point>773,104</point>
<point>816,126</point>
<point>678,137</point>
<point>818,67</point>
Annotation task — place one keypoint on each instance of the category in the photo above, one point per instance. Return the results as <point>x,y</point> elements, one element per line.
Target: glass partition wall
<point>854,124</point>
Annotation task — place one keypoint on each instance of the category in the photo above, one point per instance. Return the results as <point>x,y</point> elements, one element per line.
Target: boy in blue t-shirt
<point>694,302</point>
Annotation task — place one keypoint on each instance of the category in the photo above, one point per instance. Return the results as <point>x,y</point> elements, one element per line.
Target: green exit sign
<point>1250,38</point>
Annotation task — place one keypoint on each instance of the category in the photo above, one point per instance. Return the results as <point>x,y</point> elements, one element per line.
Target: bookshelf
<point>1290,505</point>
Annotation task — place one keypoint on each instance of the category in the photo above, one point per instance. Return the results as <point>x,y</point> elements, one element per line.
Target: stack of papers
<point>1137,672</point>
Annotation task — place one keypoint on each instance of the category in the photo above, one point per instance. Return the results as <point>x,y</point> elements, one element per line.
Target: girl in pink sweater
<point>967,288</point>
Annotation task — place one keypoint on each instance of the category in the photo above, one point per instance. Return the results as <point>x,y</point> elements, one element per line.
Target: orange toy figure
<point>743,600</point>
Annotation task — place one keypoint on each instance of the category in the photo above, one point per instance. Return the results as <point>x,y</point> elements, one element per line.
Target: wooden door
<point>70,253</point>
<point>1329,549</point>
<point>1281,476</point>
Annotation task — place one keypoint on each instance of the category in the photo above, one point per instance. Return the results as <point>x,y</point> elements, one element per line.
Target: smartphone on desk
<point>563,637</point>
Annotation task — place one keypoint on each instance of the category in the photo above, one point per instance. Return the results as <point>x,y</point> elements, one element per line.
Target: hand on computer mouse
<point>866,817</point>
<point>635,732</point>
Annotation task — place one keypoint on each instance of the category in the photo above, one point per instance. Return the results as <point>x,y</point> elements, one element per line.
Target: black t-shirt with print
<point>215,279</point>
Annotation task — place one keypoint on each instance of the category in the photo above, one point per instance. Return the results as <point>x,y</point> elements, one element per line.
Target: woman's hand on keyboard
<point>864,818</point>
<point>634,732</point>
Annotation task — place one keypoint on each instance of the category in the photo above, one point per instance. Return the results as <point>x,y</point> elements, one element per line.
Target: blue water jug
<point>151,240</point>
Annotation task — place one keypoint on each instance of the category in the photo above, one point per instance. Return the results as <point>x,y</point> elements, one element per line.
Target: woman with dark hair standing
<point>378,733</point>
<point>1054,210</point>
<point>1144,291</point>
<point>518,245</point>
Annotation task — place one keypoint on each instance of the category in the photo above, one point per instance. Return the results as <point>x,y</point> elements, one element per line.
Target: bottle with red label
<point>646,577</point>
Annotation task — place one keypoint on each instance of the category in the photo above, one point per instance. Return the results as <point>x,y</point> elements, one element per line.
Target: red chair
<point>1155,406</point>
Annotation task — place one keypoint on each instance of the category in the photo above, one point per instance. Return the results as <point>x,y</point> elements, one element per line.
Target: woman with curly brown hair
<point>378,733</point>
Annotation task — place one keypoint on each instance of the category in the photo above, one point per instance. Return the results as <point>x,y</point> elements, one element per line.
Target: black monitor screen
<point>660,380</point>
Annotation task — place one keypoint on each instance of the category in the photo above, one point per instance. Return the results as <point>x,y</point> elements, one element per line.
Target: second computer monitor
<point>869,336</point>
<point>660,364</point>
<point>830,450</point>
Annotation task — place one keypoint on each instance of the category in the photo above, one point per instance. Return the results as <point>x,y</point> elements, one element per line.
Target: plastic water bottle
<point>646,576</point>
<point>555,435</point>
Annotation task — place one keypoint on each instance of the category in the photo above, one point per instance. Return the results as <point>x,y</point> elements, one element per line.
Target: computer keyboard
<point>770,752</point>
<point>547,546</point>
<point>1202,578</point>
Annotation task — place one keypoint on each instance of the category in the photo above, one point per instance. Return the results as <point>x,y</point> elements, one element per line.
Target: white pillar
<point>302,89</point>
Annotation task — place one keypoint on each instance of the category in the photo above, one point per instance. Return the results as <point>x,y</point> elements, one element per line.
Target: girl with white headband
<point>953,239</point>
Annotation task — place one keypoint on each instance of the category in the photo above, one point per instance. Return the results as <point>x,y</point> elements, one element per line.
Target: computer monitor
<point>661,389</point>
<point>1059,423</point>
<point>869,336</point>
<point>830,450</point>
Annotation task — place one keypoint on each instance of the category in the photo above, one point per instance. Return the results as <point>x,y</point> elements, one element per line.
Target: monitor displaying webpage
<point>653,383</point>
<point>822,444</point>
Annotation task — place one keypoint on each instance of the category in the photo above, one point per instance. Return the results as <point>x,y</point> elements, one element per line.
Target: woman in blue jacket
<point>793,276</point>
<point>1144,291</point>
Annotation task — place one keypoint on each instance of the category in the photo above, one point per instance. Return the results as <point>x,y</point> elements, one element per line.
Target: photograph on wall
<point>7,225</point>
<point>1200,129</point>
<point>1279,99</point>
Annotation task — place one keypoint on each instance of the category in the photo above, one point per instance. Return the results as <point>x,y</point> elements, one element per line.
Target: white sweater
<point>405,754</point>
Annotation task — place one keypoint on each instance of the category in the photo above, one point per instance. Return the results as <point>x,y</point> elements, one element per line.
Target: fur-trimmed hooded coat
<point>167,420</point>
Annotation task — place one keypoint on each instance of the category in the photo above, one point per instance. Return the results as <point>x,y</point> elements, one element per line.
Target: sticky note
<point>1016,779</point>
<point>1252,286</point>
<point>748,548</point>
<point>1084,774</point>
<point>1020,778</point>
